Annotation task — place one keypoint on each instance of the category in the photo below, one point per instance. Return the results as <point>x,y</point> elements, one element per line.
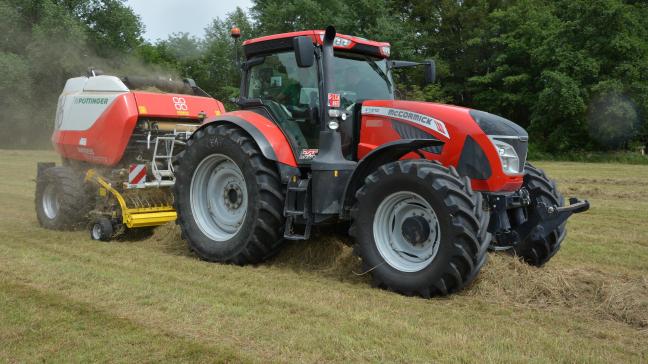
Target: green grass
<point>625,157</point>
<point>65,298</point>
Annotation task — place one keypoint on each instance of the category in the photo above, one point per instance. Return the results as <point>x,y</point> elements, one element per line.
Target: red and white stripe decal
<point>137,174</point>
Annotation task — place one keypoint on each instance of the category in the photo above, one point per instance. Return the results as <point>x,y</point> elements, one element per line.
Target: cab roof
<point>282,42</point>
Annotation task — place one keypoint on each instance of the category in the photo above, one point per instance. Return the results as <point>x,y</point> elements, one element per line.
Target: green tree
<point>220,74</point>
<point>113,27</point>
<point>552,59</point>
<point>45,42</point>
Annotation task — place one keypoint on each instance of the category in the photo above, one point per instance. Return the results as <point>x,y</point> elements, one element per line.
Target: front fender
<point>386,153</point>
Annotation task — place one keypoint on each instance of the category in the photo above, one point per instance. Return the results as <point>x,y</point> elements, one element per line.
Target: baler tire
<point>102,230</point>
<point>462,221</point>
<point>71,199</point>
<point>261,232</point>
<point>539,252</point>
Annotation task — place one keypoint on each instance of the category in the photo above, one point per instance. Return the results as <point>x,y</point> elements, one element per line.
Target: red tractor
<point>319,139</point>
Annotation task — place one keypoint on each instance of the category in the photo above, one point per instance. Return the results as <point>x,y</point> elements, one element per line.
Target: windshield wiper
<point>379,71</point>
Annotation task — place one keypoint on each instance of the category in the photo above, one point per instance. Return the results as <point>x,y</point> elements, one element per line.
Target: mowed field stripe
<point>217,313</point>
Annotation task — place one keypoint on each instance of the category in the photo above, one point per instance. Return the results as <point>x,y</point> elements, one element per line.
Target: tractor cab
<point>277,86</point>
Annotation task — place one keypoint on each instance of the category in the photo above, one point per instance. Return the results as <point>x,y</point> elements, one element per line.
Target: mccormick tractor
<point>319,139</point>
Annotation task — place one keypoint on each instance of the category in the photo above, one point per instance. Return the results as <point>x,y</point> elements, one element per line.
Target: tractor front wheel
<point>228,197</point>
<point>542,189</point>
<point>420,229</point>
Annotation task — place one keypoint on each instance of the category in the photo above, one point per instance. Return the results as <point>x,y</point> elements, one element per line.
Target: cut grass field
<point>65,298</point>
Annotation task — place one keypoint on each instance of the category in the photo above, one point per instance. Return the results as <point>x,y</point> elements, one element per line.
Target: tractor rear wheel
<point>228,197</point>
<point>62,202</point>
<point>542,189</point>
<point>420,229</point>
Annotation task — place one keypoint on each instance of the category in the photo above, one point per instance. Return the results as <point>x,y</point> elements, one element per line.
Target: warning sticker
<point>333,100</point>
<point>137,174</point>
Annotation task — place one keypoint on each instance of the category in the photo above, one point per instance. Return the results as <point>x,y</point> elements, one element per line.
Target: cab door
<point>287,94</point>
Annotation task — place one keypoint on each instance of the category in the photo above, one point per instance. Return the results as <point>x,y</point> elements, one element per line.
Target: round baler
<point>117,147</point>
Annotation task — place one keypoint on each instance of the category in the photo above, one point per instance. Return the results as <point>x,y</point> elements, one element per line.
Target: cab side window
<point>291,94</point>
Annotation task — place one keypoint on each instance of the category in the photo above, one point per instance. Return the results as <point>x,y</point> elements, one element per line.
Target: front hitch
<point>546,219</point>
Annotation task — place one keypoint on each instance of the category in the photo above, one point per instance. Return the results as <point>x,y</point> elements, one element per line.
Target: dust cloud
<point>31,80</point>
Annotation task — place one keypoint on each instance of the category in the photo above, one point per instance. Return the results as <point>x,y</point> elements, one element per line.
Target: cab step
<point>297,210</point>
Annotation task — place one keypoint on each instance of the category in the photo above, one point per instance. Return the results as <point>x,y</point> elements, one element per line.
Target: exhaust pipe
<point>330,170</point>
<point>327,65</point>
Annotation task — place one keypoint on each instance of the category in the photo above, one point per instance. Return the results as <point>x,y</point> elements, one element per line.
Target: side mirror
<point>430,71</point>
<point>304,51</point>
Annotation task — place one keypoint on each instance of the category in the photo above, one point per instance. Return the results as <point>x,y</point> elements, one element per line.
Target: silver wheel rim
<point>96,232</point>
<point>51,203</point>
<point>392,245</point>
<point>218,197</point>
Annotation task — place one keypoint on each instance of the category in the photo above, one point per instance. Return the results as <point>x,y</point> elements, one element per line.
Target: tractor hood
<point>444,121</point>
<point>475,142</point>
<point>497,125</point>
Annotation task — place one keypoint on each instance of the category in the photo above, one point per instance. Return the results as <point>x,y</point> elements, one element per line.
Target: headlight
<point>508,157</point>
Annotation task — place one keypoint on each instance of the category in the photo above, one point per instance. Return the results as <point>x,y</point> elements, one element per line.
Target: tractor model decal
<point>427,121</point>
<point>308,154</point>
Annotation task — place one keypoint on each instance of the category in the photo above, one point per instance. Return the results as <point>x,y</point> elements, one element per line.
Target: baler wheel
<point>102,230</point>
<point>540,187</point>
<point>420,229</point>
<point>228,197</point>
<point>62,202</point>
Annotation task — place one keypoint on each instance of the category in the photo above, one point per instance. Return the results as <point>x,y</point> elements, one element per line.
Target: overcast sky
<point>163,17</point>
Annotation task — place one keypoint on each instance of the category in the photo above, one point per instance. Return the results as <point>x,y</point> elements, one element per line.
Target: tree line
<point>574,73</point>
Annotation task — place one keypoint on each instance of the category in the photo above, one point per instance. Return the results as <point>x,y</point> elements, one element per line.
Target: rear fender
<point>270,139</point>
<point>386,153</point>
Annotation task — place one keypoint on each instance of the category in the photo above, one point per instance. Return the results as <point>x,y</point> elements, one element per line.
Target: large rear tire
<point>228,197</point>
<point>402,252</point>
<point>542,189</point>
<point>62,202</point>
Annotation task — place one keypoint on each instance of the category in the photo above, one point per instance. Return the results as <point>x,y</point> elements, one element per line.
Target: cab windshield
<point>361,77</point>
<point>291,94</point>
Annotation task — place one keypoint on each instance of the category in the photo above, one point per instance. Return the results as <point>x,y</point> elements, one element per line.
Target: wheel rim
<point>96,232</point>
<point>51,203</point>
<point>218,197</point>
<point>393,220</point>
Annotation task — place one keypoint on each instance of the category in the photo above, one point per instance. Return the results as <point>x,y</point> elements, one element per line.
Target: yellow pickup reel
<point>124,207</point>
